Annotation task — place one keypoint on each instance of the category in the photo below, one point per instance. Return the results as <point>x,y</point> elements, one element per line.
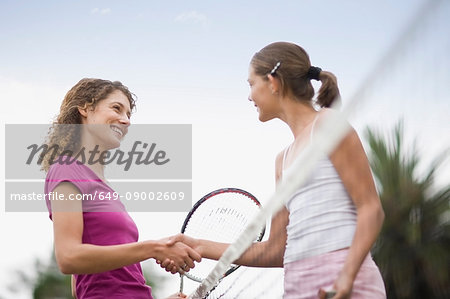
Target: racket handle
<point>181,283</point>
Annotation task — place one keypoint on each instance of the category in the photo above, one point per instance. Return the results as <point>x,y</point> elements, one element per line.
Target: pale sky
<point>187,62</point>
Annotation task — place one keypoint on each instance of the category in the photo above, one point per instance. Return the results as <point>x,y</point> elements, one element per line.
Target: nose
<point>124,120</point>
<point>250,99</point>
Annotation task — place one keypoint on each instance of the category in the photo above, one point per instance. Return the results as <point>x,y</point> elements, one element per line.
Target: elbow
<point>380,215</point>
<point>65,271</point>
<point>274,256</point>
<point>65,263</point>
<point>278,262</point>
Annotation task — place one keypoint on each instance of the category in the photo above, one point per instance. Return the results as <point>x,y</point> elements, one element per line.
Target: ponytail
<point>329,91</point>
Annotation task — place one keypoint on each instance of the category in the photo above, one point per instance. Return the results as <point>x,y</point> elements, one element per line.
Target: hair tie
<point>314,73</point>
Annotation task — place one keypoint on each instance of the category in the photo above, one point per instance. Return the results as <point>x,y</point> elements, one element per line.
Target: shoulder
<point>329,113</point>
<point>74,172</point>
<point>67,177</point>
<point>68,169</point>
<point>349,151</point>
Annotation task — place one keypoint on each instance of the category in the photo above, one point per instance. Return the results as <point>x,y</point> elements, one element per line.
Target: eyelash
<point>118,109</point>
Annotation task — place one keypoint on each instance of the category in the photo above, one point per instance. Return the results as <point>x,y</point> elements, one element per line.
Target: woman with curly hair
<point>97,241</point>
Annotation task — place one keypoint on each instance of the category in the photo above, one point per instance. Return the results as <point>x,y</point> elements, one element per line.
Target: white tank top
<point>322,216</point>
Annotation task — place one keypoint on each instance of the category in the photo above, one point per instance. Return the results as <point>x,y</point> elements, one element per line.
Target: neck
<point>297,115</point>
<point>93,151</point>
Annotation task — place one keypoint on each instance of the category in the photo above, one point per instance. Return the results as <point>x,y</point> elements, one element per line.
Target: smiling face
<point>107,123</point>
<point>262,96</point>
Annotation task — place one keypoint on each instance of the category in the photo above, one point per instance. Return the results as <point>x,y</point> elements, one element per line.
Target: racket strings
<point>220,218</point>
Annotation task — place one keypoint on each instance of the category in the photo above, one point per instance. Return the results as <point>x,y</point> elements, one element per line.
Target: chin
<point>111,142</point>
<point>263,118</point>
<point>114,144</point>
<point>114,141</point>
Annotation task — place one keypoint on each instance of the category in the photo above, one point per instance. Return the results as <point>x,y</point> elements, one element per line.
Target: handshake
<point>179,256</point>
<point>179,253</point>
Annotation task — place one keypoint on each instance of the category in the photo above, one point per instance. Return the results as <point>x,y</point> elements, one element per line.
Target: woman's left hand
<point>342,286</point>
<point>176,296</point>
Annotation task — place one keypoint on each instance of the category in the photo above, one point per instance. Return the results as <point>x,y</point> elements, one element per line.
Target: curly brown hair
<point>64,134</point>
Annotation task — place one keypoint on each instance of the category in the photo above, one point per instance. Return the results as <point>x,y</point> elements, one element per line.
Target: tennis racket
<point>219,216</point>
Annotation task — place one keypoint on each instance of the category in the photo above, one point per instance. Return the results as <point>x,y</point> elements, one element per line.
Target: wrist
<point>348,273</point>
<point>153,249</point>
<point>200,247</point>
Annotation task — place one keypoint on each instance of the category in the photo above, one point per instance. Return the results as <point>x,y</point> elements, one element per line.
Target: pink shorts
<point>304,278</point>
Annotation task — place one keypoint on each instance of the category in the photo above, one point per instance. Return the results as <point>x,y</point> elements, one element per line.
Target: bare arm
<point>74,257</point>
<point>352,165</point>
<point>261,254</point>
<point>268,253</point>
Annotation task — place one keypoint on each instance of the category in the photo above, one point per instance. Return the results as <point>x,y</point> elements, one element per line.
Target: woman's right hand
<point>189,241</point>
<point>176,255</point>
<point>170,265</point>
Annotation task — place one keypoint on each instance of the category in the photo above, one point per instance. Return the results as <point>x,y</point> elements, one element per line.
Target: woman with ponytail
<point>323,235</point>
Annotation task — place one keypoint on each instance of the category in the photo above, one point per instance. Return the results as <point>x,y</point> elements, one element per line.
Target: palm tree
<point>413,248</point>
